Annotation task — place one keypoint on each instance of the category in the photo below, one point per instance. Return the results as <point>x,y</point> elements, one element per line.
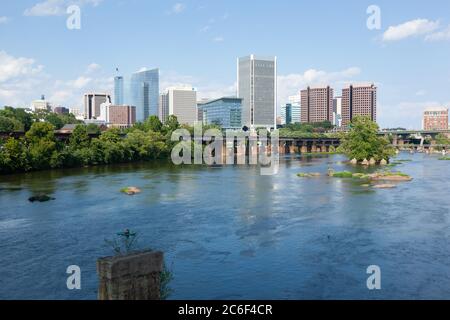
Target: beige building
<point>92,103</point>
<point>182,102</point>
<point>359,100</point>
<point>41,104</point>
<point>435,119</point>
<point>316,104</point>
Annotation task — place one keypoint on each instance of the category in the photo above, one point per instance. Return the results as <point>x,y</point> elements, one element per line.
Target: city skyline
<point>405,58</point>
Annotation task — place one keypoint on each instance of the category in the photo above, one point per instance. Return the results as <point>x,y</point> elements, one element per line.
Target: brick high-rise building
<point>118,116</point>
<point>316,104</point>
<point>435,119</point>
<point>359,100</point>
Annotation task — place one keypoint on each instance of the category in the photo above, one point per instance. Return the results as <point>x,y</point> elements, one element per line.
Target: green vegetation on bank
<point>308,130</point>
<point>39,149</point>
<point>363,143</point>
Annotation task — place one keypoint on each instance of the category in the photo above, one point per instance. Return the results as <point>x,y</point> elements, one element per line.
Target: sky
<point>406,52</point>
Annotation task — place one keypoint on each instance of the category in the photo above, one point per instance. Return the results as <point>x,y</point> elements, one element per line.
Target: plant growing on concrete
<point>124,242</point>
<point>166,278</point>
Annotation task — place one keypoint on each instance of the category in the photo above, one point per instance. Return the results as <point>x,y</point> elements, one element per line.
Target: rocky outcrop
<point>40,198</point>
<point>131,191</point>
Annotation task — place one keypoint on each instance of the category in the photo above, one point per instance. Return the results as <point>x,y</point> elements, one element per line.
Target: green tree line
<point>39,149</point>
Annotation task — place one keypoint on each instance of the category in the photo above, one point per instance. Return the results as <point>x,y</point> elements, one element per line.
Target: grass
<point>307,175</point>
<point>342,174</point>
<point>444,158</point>
<point>360,176</point>
<point>391,174</point>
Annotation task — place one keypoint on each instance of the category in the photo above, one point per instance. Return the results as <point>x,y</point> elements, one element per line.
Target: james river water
<point>230,233</point>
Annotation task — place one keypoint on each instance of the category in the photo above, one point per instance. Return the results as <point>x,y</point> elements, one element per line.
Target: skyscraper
<point>337,111</point>
<point>163,112</point>
<point>144,93</point>
<point>118,90</point>
<point>92,103</point>
<point>296,110</point>
<point>182,102</point>
<point>359,100</point>
<point>317,104</point>
<point>257,86</point>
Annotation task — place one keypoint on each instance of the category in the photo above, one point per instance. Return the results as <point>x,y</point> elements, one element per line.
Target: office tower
<point>359,100</point>
<point>435,119</point>
<point>182,102</point>
<point>41,104</point>
<point>337,111</point>
<point>163,112</point>
<point>286,114</point>
<point>118,91</point>
<point>257,86</point>
<point>92,103</point>
<point>295,102</point>
<point>225,112</point>
<point>61,110</point>
<point>316,104</point>
<point>144,93</point>
<point>118,116</point>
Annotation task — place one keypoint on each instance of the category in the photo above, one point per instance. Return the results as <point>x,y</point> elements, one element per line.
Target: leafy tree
<point>18,116</point>
<point>172,123</point>
<point>13,156</point>
<point>362,141</point>
<point>55,120</point>
<point>93,129</point>
<point>153,123</point>
<point>42,146</point>
<point>79,137</point>
<point>10,124</point>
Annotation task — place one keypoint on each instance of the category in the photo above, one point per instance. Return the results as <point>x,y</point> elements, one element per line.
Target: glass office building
<point>118,91</point>
<point>226,112</point>
<point>144,93</point>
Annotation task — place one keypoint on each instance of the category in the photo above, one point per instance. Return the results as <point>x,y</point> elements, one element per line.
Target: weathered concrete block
<point>131,277</point>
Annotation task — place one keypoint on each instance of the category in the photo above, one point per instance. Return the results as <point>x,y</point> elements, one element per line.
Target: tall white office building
<point>180,102</point>
<point>257,87</point>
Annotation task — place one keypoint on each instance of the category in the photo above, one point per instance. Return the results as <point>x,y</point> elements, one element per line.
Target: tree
<point>9,124</point>
<point>13,156</point>
<point>79,138</point>
<point>42,146</point>
<point>153,123</point>
<point>18,116</point>
<point>362,141</point>
<point>172,123</point>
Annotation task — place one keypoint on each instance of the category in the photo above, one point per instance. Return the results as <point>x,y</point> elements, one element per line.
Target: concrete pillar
<point>131,277</point>
<point>292,149</point>
<point>314,148</point>
<point>304,149</point>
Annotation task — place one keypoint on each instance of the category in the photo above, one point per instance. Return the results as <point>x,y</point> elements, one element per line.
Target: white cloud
<point>56,7</point>
<point>443,35</point>
<point>4,20</point>
<point>410,29</point>
<point>390,116</point>
<point>12,68</point>
<point>218,39</point>
<point>92,68</point>
<point>177,8</point>
<point>23,80</point>
<point>291,84</point>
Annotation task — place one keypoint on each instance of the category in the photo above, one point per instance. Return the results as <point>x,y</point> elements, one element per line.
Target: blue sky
<point>197,43</point>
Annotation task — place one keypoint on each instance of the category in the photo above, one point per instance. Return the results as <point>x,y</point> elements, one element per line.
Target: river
<point>230,233</point>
